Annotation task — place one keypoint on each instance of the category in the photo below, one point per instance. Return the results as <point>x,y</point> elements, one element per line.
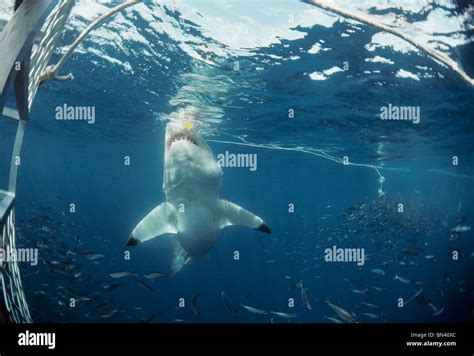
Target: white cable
<point>318,154</point>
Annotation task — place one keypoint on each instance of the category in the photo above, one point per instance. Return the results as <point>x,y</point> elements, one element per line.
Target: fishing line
<point>318,153</point>
<point>322,154</point>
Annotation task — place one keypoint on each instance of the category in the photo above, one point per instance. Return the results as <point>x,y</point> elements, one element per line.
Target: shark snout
<point>178,131</point>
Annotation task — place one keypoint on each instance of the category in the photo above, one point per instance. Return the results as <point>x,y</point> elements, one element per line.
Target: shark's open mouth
<point>182,136</point>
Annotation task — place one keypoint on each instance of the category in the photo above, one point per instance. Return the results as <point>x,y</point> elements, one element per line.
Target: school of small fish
<point>396,247</point>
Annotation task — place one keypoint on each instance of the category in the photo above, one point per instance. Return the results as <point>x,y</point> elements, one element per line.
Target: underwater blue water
<point>73,162</point>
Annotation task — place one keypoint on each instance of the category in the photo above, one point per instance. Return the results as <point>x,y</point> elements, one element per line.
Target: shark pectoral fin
<point>232,214</point>
<point>161,220</point>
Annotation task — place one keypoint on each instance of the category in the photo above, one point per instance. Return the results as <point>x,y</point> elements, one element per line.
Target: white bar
<point>11,113</point>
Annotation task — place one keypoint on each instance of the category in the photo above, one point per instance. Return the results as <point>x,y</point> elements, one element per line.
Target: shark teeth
<point>180,137</point>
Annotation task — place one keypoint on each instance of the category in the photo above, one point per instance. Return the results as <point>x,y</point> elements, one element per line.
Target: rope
<point>443,58</point>
<point>51,71</point>
<point>318,154</point>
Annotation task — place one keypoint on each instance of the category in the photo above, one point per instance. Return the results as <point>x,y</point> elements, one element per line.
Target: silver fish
<point>110,314</point>
<point>112,286</point>
<point>461,228</point>
<point>343,314</point>
<point>146,286</point>
<point>254,310</point>
<point>304,296</point>
<point>414,296</point>
<point>150,318</point>
<point>378,271</point>
<point>401,279</point>
<point>438,312</point>
<point>93,256</point>
<point>195,306</point>
<point>334,320</point>
<point>371,315</point>
<point>122,274</point>
<point>155,275</point>
<point>284,315</point>
<point>369,305</point>
<point>228,305</point>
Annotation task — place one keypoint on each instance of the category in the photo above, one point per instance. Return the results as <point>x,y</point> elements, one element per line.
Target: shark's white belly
<point>192,187</point>
<point>197,228</point>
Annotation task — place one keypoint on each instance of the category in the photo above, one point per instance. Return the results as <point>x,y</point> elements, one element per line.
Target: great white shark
<point>193,212</point>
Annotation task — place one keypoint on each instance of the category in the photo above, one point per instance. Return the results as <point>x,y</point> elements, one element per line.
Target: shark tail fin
<point>161,220</point>
<point>232,214</point>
